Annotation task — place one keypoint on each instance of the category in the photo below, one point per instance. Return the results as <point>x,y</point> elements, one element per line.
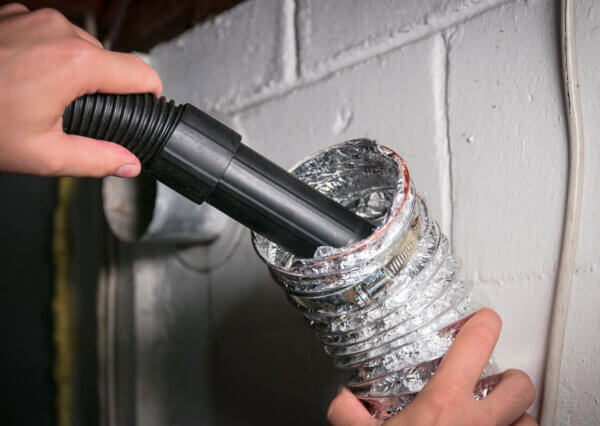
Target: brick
<point>228,58</point>
<point>333,34</point>
<point>507,135</point>
<point>391,99</point>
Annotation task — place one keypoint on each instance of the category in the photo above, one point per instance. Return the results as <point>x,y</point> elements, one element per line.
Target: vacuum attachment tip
<point>204,160</point>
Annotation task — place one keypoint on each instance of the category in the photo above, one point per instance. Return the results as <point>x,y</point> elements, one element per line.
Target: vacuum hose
<point>204,160</point>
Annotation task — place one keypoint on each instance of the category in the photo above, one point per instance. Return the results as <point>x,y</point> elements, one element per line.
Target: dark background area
<point>26,215</point>
<point>136,24</point>
<point>27,390</point>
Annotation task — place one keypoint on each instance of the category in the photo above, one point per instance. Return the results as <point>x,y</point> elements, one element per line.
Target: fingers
<point>462,365</point>
<point>347,410</point>
<point>510,398</point>
<point>525,420</point>
<point>80,156</point>
<point>79,59</point>
<point>11,9</point>
<point>114,72</point>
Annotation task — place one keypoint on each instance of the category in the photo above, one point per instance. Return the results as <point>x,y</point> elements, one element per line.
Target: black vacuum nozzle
<point>204,160</point>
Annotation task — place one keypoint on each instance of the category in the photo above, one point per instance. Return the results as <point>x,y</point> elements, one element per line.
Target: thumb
<point>81,156</point>
<point>347,410</point>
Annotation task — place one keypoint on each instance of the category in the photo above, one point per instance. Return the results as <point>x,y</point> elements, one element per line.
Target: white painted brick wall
<point>238,54</point>
<point>353,103</point>
<point>332,34</point>
<point>469,92</point>
<point>507,140</point>
<point>509,164</point>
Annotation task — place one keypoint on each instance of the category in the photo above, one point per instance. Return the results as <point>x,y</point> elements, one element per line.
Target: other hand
<point>448,397</point>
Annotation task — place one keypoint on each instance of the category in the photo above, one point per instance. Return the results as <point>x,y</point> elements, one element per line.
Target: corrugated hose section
<point>141,123</point>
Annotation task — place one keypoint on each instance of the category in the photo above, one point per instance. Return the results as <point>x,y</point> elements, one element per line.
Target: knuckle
<point>13,7</point>
<point>99,169</point>
<point>77,50</point>
<point>523,383</point>
<point>445,400</point>
<point>528,421</point>
<point>484,328</point>
<point>483,336</point>
<point>95,41</point>
<point>51,17</point>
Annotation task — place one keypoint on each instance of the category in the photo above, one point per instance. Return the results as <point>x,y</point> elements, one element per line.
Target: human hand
<point>448,397</point>
<point>45,63</point>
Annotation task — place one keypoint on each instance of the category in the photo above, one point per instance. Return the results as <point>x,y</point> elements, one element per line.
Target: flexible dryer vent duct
<point>386,308</point>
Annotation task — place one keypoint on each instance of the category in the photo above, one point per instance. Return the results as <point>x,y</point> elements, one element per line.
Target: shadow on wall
<point>226,351</point>
<point>273,374</point>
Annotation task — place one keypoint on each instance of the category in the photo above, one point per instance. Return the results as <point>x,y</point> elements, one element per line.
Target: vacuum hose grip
<point>204,160</point>
<point>141,123</point>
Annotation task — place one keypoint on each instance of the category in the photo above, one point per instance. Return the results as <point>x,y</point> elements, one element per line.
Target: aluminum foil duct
<point>386,308</point>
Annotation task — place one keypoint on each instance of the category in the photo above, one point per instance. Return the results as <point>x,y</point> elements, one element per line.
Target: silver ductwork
<point>388,307</point>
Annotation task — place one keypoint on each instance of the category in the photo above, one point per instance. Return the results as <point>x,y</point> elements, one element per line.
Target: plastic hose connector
<point>204,160</point>
<point>141,123</point>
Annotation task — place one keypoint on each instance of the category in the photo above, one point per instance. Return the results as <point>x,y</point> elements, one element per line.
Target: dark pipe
<point>204,160</point>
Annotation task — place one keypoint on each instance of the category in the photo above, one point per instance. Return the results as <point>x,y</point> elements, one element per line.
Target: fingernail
<point>127,170</point>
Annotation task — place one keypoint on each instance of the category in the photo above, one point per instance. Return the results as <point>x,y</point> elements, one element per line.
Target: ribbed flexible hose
<point>141,123</point>
<point>205,161</point>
